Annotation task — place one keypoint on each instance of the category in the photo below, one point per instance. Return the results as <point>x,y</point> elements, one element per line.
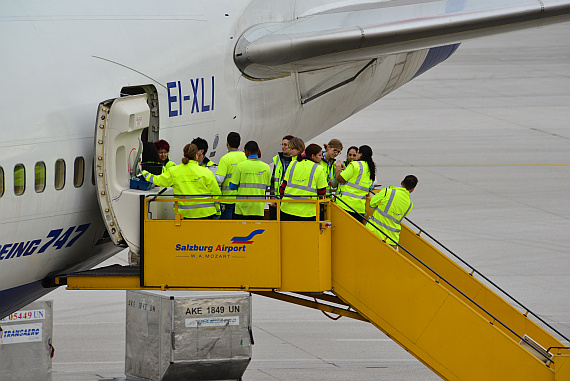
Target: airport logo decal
<point>247,239</point>
<point>237,245</point>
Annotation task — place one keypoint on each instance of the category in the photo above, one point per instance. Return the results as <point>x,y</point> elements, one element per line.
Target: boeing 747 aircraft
<point>183,69</point>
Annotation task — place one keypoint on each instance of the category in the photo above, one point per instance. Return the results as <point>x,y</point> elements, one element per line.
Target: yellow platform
<point>423,300</point>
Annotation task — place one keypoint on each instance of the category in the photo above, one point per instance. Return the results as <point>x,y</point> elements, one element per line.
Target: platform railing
<point>440,277</point>
<point>475,271</point>
<point>321,203</point>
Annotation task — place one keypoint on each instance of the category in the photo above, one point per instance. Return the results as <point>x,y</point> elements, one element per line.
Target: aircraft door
<point>120,123</point>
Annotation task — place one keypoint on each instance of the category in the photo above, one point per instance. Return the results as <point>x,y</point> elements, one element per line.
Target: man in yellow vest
<point>203,161</point>
<point>226,168</point>
<point>390,206</point>
<point>250,178</point>
<point>281,162</point>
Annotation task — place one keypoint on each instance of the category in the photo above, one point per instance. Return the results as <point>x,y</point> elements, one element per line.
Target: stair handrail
<point>474,270</point>
<point>439,276</point>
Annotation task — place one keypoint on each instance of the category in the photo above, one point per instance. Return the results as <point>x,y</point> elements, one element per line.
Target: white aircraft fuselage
<point>60,60</point>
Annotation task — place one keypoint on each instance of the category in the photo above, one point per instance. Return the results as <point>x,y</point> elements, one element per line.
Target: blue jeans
<point>227,211</point>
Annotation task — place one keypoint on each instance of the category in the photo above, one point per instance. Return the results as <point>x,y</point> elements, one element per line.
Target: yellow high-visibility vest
<point>169,164</point>
<point>279,171</point>
<point>354,191</point>
<point>390,206</point>
<point>226,168</point>
<point>303,179</point>
<point>252,177</point>
<point>330,171</point>
<point>210,163</point>
<point>190,182</point>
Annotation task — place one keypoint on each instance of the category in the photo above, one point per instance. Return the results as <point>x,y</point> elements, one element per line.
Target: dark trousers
<point>228,211</point>
<point>244,217</point>
<point>290,217</point>
<point>358,216</point>
<point>272,212</point>
<point>202,218</point>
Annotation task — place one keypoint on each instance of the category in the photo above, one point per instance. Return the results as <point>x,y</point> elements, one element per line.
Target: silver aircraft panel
<point>337,36</point>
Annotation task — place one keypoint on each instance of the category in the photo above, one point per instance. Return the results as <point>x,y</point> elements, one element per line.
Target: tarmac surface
<point>488,135</point>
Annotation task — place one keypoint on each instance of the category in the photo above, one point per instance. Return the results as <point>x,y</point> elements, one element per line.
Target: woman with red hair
<point>163,148</point>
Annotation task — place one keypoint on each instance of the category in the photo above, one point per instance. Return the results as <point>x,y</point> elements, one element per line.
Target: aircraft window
<point>59,174</point>
<point>1,181</point>
<point>19,179</point>
<point>78,171</point>
<point>40,177</point>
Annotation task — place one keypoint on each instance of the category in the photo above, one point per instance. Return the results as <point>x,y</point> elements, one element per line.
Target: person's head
<point>351,154</point>
<point>332,149</point>
<point>202,145</point>
<point>365,154</point>
<point>285,143</point>
<point>296,147</point>
<point>313,152</point>
<point>190,153</point>
<point>410,182</point>
<point>251,148</point>
<point>233,140</point>
<point>163,149</point>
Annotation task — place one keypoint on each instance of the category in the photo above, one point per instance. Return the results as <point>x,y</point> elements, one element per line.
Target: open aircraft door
<point>118,145</point>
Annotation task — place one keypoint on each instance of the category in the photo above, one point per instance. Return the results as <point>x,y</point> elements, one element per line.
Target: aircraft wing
<point>331,36</point>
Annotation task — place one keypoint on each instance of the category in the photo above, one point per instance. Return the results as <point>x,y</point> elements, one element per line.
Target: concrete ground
<point>488,135</point>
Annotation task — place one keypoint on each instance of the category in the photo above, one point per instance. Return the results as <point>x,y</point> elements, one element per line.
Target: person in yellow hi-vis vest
<point>355,181</point>
<point>350,155</point>
<point>390,206</point>
<point>251,178</point>
<point>280,163</point>
<point>203,161</point>
<point>163,149</point>
<point>304,179</point>
<point>189,180</point>
<point>332,150</point>
<point>225,171</point>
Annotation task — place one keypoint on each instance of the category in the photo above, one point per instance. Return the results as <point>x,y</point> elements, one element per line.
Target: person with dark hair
<point>304,179</point>
<point>350,155</point>
<point>163,149</point>
<point>251,179</point>
<point>332,150</point>
<point>355,181</point>
<point>233,140</point>
<point>187,181</point>
<point>281,162</point>
<point>227,166</point>
<point>390,206</point>
<point>203,161</point>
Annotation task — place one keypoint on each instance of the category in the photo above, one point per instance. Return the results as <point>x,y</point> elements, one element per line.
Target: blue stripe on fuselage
<point>13,299</point>
<point>436,56</point>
